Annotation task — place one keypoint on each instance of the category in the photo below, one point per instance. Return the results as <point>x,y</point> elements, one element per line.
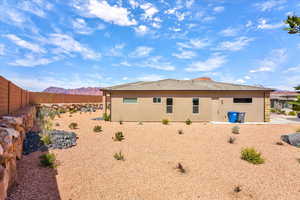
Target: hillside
<point>81,91</point>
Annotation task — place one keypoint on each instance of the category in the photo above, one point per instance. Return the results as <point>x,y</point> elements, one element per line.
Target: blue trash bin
<point>232,117</point>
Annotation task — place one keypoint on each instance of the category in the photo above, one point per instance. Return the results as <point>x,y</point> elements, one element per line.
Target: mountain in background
<point>79,91</point>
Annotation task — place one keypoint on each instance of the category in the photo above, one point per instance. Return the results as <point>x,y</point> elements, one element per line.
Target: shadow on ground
<point>34,182</point>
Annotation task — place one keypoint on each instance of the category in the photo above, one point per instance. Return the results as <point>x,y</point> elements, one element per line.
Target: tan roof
<point>173,84</point>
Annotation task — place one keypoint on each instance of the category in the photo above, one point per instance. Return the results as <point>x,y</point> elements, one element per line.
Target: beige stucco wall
<point>214,105</point>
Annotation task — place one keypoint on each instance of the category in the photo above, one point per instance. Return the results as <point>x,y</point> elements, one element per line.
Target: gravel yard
<point>89,171</point>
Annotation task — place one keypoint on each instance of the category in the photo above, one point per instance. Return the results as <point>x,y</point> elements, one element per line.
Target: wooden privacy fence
<point>12,97</point>
<point>43,97</point>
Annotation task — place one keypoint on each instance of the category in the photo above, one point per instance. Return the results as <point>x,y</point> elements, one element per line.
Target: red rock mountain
<point>80,91</point>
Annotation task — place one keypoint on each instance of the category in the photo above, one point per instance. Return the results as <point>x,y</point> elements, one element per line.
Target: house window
<point>169,105</point>
<point>156,100</point>
<point>195,105</point>
<point>129,100</point>
<point>242,100</point>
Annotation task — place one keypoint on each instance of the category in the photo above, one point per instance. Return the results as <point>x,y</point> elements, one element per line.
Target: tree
<point>294,24</point>
<point>297,87</point>
<point>296,104</point>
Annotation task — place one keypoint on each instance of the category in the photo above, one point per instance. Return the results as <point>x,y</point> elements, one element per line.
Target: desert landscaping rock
<point>62,139</point>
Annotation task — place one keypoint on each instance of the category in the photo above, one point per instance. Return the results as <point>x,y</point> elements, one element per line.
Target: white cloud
<point>270,4</point>
<point>240,81</point>
<point>208,18</point>
<point>80,26</point>
<point>293,69</point>
<point>229,32</point>
<point>156,62</point>
<point>194,43</point>
<point>133,3</point>
<point>247,77</point>
<point>212,63</point>
<point>272,61</point>
<point>2,48</point>
<point>189,3</point>
<point>141,51</point>
<point>151,77</point>
<point>31,60</point>
<point>263,24</point>
<point>149,9</point>
<point>27,45</point>
<point>116,50</point>
<point>185,54</point>
<point>219,9</point>
<point>141,30</point>
<point>101,9</point>
<point>236,45</point>
<point>68,45</point>
<point>36,7</point>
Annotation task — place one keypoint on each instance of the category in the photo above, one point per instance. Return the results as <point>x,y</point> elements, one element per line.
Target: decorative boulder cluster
<point>71,108</point>
<point>12,134</point>
<point>62,139</point>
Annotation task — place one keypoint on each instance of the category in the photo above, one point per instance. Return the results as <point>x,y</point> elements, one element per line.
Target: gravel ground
<point>88,171</point>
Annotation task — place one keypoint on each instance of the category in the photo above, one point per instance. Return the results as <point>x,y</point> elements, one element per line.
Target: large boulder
<point>292,139</point>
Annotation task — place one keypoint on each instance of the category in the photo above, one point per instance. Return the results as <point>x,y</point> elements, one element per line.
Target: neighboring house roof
<point>284,95</point>
<point>173,84</point>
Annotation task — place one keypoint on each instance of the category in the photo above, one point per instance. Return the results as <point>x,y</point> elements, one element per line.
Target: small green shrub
<point>252,156</point>
<point>46,139</point>
<point>73,125</point>
<point>48,160</point>
<point>273,110</point>
<point>98,129</point>
<point>231,140</point>
<point>165,121</point>
<point>180,131</point>
<point>106,117</point>
<point>180,168</point>
<point>236,130</point>
<point>119,156</point>
<point>292,113</point>
<point>119,136</point>
<point>188,122</point>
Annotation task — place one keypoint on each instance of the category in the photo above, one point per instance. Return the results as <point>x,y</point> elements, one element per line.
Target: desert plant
<point>231,140</point>
<point>119,156</point>
<point>119,136</point>
<point>45,138</point>
<point>73,125</point>
<point>237,189</point>
<point>298,130</point>
<point>188,122</point>
<point>57,124</point>
<point>140,123</point>
<point>252,156</point>
<point>120,122</point>
<point>236,130</point>
<point>98,129</point>
<point>106,117</point>
<point>292,113</point>
<point>180,131</point>
<point>70,115</point>
<point>165,121</point>
<point>48,160</point>
<point>180,168</point>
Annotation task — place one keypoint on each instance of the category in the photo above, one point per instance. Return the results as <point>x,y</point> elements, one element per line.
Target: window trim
<point>195,105</point>
<point>130,98</point>
<point>245,98</point>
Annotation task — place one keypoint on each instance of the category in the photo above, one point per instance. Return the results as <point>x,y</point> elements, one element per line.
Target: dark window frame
<point>243,100</point>
<point>169,105</point>
<point>195,105</point>
<point>156,99</point>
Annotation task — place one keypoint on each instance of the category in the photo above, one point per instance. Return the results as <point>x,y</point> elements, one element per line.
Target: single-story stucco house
<point>179,100</point>
<point>280,99</point>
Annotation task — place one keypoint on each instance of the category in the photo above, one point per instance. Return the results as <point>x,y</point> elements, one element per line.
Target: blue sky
<point>80,43</point>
